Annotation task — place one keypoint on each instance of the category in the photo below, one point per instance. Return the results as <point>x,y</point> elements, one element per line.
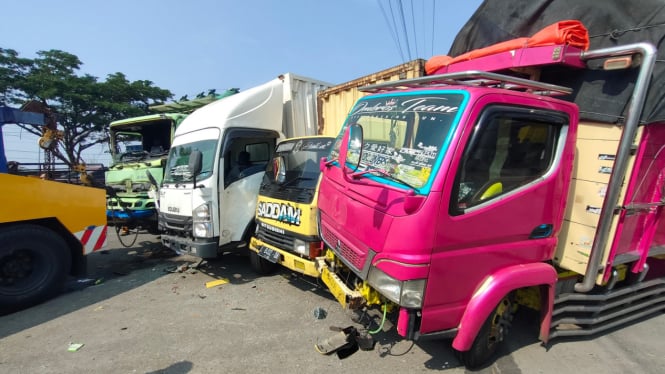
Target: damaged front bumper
<point>351,299</point>
<point>203,248</point>
<point>287,259</point>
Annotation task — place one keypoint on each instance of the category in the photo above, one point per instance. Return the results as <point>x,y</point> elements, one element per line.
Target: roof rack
<point>188,106</point>
<point>472,78</point>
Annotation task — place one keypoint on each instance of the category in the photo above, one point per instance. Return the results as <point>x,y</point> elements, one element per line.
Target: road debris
<point>345,342</point>
<point>320,313</point>
<point>187,267</point>
<point>73,347</point>
<point>82,283</point>
<point>217,282</point>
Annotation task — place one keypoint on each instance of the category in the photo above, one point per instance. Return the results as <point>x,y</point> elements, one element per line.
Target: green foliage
<point>83,105</point>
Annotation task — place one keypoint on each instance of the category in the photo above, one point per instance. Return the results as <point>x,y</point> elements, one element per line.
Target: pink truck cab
<point>450,200</point>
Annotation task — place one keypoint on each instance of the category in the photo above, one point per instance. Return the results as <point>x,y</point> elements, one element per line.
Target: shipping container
<point>334,103</point>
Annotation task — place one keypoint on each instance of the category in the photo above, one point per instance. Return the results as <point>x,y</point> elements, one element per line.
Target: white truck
<point>217,161</point>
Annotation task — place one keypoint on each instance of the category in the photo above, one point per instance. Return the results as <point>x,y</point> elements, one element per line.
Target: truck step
<point>577,314</point>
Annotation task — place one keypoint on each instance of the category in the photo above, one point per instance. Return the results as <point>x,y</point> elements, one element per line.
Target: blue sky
<point>191,46</point>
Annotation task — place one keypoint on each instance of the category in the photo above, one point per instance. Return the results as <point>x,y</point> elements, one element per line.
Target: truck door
<point>245,154</point>
<point>507,192</point>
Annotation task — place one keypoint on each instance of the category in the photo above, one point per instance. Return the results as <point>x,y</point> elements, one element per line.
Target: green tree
<point>82,105</point>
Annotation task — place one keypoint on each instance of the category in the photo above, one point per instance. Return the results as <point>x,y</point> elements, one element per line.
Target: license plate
<point>269,254</point>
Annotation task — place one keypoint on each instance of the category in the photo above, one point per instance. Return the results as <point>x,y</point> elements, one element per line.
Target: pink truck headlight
<point>408,294</point>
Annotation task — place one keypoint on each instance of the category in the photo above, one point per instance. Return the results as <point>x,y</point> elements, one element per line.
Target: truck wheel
<point>34,263</point>
<point>491,334</point>
<point>260,265</point>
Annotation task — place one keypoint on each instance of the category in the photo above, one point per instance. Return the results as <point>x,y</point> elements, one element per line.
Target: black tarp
<point>601,95</point>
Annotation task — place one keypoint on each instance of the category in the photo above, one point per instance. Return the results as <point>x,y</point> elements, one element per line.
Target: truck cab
<point>218,159</point>
<point>286,212</point>
<point>201,211</point>
<point>138,145</point>
<point>430,175</point>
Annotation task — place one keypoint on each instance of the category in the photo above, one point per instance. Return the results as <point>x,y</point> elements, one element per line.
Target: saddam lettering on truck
<point>285,213</point>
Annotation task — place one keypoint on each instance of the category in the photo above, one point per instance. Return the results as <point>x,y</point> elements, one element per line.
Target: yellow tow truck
<point>46,229</point>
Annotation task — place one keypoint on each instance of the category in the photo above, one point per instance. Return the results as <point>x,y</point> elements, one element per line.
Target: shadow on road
<point>181,367</point>
<point>110,273</point>
<point>119,269</point>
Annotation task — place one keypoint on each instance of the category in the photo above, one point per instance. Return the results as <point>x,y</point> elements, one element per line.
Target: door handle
<point>542,231</point>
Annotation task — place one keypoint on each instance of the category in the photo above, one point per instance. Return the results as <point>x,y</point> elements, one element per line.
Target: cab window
<point>510,148</point>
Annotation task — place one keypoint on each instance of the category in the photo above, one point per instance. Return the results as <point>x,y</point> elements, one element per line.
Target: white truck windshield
<point>177,170</point>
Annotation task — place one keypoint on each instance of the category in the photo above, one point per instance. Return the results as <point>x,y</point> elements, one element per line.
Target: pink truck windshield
<point>405,135</point>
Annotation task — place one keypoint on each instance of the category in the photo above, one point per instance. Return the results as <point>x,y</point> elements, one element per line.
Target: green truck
<point>139,145</point>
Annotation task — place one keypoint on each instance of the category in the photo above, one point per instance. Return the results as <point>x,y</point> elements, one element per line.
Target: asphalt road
<point>140,317</point>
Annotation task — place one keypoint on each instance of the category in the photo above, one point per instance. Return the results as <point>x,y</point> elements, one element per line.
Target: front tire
<point>491,334</point>
<point>34,264</point>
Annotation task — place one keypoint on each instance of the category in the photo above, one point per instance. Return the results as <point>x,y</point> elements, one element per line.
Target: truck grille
<point>175,224</point>
<point>281,241</point>
<point>349,255</point>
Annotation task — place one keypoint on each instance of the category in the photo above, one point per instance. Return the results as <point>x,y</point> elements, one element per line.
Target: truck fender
<point>497,285</point>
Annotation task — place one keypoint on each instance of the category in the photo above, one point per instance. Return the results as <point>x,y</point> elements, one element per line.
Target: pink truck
<point>451,199</point>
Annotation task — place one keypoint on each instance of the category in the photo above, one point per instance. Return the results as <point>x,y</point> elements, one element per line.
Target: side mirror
<point>323,163</point>
<point>195,162</point>
<point>279,169</point>
<point>152,179</point>
<point>355,146</point>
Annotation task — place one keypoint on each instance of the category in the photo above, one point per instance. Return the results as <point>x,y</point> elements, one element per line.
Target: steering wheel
<point>487,190</point>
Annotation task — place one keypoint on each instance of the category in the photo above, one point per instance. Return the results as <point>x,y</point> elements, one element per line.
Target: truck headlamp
<point>412,293</point>
<point>202,227</point>
<point>202,230</point>
<point>300,247</point>
<point>202,213</point>
<point>408,294</point>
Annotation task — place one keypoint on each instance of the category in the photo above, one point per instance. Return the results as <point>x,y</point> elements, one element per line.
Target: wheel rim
<point>501,321</point>
<point>19,272</point>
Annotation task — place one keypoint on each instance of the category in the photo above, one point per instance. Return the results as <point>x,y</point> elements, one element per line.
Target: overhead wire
<point>413,24</point>
<point>393,31</point>
<point>396,18</point>
<point>433,21</point>
<point>406,34</point>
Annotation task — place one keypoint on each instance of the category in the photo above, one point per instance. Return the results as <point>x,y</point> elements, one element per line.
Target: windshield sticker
<point>410,164</point>
<point>316,145</point>
<point>181,171</point>
<point>305,145</point>
<point>411,105</point>
<point>285,213</point>
<point>285,147</point>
